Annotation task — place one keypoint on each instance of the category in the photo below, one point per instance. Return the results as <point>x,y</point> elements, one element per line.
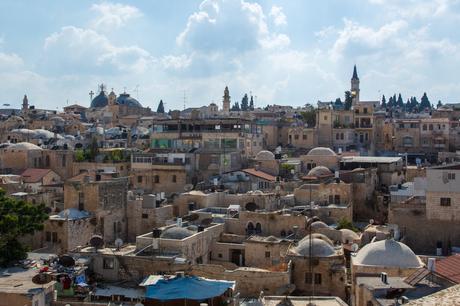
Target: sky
<point>289,52</point>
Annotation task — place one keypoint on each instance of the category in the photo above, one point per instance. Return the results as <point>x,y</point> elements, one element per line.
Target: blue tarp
<point>189,287</point>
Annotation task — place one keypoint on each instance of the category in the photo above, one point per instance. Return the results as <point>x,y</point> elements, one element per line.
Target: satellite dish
<point>42,278</point>
<point>354,247</point>
<point>118,243</point>
<point>371,221</point>
<point>66,261</point>
<point>96,242</point>
<point>188,187</point>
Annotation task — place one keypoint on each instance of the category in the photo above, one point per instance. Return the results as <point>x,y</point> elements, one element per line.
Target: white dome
<point>178,233</point>
<point>319,236</point>
<point>265,155</point>
<point>320,248</point>
<point>319,171</point>
<point>387,253</point>
<point>24,146</point>
<point>321,151</point>
<point>318,224</point>
<point>348,236</point>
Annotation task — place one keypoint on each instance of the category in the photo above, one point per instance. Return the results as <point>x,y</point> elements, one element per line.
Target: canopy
<point>188,287</point>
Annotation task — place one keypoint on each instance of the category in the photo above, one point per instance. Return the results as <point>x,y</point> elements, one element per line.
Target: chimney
<point>384,277</point>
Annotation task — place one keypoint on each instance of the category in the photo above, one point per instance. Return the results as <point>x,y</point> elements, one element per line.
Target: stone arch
<point>258,228</point>
<point>250,229</point>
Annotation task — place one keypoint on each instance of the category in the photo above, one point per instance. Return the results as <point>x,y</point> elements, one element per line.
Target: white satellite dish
<point>118,243</point>
<point>371,221</point>
<point>354,247</point>
<point>188,187</point>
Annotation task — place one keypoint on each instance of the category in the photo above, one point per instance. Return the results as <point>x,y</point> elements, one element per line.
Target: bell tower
<point>226,101</point>
<point>355,87</point>
<point>25,104</point>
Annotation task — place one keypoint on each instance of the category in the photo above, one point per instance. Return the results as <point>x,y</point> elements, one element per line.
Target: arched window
<point>258,228</point>
<point>156,179</point>
<point>250,228</point>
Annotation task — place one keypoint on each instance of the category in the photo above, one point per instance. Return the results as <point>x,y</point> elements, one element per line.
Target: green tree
<point>309,117</point>
<point>425,102</point>
<point>251,103</point>
<point>400,101</point>
<point>245,103</point>
<point>235,107</point>
<point>17,218</point>
<point>384,102</point>
<point>439,104</point>
<point>161,107</point>
<point>345,223</point>
<point>79,155</point>
<point>348,100</point>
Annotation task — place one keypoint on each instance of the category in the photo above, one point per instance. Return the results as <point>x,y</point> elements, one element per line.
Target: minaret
<point>355,87</point>
<point>25,104</point>
<point>226,102</point>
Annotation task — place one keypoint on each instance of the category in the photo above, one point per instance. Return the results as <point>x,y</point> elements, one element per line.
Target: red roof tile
<point>260,174</point>
<point>34,175</point>
<point>449,267</point>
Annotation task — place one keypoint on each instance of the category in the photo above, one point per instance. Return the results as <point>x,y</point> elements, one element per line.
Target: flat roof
<point>303,300</point>
<point>17,280</point>
<point>371,159</point>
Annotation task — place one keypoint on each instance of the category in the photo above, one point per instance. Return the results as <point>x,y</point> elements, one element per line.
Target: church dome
<point>320,248</point>
<point>321,151</point>
<point>319,171</point>
<point>265,155</point>
<point>177,233</point>
<point>126,99</point>
<point>319,236</point>
<point>387,253</point>
<point>101,100</point>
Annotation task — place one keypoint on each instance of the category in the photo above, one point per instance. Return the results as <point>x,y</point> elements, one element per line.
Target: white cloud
<point>10,62</point>
<point>85,50</point>
<point>279,18</point>
<point>176,62</point>
<point>354,33</point>
<point>113,15</point>
<point>231,26</point>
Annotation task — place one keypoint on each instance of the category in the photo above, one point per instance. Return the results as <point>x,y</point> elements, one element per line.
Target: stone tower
<point>355,87</point>
<point>25,104</point>
<point>226,101</point>
<point>112,98</point>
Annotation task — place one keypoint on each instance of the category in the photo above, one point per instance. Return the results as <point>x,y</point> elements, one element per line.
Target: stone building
<point>318,267</point>
<point>320,156</point>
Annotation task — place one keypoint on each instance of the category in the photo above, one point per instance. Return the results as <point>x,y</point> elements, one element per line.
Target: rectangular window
<point>48,236</point>
<point>139,178</point>
<point>296,137</point>
<point>308,278</point>
<point>81,201</point>
<point>304,137</point>
<point>445,201</point>
<point>145,216</point>
<point>318,278</point>
<point>267,254</point>
<point>337,199</point>
<point>451,176</point>
<point>108,263</point>
<point>55,237</point>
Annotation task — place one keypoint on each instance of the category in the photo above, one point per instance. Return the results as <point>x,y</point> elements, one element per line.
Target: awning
<point>188,287</point>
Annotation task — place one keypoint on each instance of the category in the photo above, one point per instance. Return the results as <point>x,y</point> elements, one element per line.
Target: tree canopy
<point>245,103</point>
<point>17,218</point>
<point>309,117</point>
<point>348,100</point>
<point>161,107</point>
<point>251,103</point>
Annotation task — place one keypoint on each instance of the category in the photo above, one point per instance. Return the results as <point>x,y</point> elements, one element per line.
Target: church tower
<point>112,98</point>
<point>355,87</point>
<point>25,104</point>
<point>226,101</point>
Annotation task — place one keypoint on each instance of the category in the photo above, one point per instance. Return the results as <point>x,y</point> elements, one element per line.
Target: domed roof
<point>178,233</point>
<point>265,155</point>
<point>387,253</point>
<point>321,151</point>
<point>319,171</point>
<point>318,224</point>
<point>320,248</point>
<point>25,146</point>
<point>100,100</point>
<point>319,236</point>
<point>348,236</point>
<point>126,99</point>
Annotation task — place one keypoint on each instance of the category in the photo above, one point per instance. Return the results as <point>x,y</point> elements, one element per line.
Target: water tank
<point>431,264</point>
